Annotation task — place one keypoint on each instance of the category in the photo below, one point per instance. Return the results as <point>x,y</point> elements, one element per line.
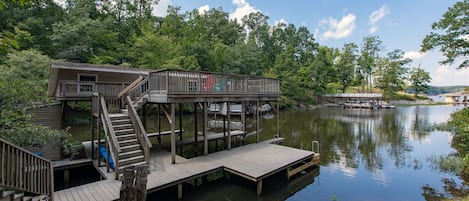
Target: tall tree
<point>454,42</point>
<point>393,73</point>
<point>371,46</point>
<point>346,62</point>
<point>419,80</point>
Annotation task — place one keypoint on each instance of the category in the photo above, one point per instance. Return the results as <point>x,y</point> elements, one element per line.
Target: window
<point>192,85</point>
<point>86,82</point>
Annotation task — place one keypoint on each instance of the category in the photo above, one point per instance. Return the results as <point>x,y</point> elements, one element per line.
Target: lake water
<point>365,155</point>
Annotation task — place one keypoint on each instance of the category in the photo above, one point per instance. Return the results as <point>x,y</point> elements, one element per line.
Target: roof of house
<point>57,66</point>
<point>460,93</point>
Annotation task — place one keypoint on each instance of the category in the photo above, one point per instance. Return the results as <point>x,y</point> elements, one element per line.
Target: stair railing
<point>139,129</point>
<point>139,90</point>
<point>24,171</point>
<point>111,139</point>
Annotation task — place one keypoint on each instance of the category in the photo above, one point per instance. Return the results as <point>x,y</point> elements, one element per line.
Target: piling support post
<point>179,191</point>
<point>195,130</point>
<point>205,127</point>
<point>173,134</point>
<point>278,119</point>
<point>257,121</point>
<point>259,187</point>
<point>180,126</point>
<point>229,124</point>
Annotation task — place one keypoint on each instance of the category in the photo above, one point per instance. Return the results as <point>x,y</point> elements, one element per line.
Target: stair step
<point>130,148</point>
<point>121,121</point>
<point>117,115</point>
<point>126,137</point>
<point>132,160</point>
<point>128,142</point>
<point>124,131</point>
<point>121,168</point>
<point>122,127</point>
<point>129,154</point>
<point>27,198</point>
<point>18,196</point>
<point>6,194</point>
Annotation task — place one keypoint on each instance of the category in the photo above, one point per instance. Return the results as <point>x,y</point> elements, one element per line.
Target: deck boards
<point>253,161</point>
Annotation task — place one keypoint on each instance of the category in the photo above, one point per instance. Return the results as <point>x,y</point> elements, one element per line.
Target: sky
<point>400,24</point>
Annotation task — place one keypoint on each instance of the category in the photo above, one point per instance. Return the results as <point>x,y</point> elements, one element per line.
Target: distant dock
<point>356,100</point>
<point>254,162</point>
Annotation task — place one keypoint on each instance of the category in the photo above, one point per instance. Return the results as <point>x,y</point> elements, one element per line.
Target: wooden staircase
<point>11,195</point>
<point>132,153</point>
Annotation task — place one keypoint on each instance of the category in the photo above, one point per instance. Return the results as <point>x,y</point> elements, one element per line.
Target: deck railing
<point>194,82</point>
<point>139,129</point>
<point>24,171</point>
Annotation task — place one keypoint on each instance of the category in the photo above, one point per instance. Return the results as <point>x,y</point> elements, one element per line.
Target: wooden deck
<point>253,162</point>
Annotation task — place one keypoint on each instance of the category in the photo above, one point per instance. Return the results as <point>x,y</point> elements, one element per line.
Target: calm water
<point>365,155</point>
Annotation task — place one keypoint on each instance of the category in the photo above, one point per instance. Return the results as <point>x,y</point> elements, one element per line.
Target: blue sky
<point>399,24</point>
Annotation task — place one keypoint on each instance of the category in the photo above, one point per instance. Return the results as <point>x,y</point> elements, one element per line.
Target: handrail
<point>139,129</point>
<point>111,149</point>
<point>24,171</point>
<point>109,126</point>
<point>139,90</point>
<point>131,86</point>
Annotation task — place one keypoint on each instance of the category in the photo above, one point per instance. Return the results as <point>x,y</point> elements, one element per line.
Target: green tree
<point>453,42</point>
<point>393,73</point>
<point>371,46</point>
<point>346,63</point>
<point>419,80</point>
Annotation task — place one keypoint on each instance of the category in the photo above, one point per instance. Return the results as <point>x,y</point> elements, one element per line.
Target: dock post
<point>195,129</point>
<point>159,123</point>
<point>205,127</point>
<point>179,191</point>
<point>278,119</point>
<point>259,187</point>
<point>228,113</point>
<point>180,126</point>
<point>173,134</point>
<point>257,120</point>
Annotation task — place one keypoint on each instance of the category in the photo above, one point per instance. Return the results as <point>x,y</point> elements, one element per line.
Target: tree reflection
<point>450,190</point>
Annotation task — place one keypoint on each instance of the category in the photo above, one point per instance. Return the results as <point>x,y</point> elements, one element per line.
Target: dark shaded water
<point>365,155</point>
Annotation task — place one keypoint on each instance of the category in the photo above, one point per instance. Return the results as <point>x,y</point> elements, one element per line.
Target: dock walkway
<point>254,162</point>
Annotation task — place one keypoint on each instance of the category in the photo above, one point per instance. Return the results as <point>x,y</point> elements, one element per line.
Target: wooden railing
<point>112,145</point>
<point>140,90</point>
<point>24,171</point>
<point>139,129</point>
<point>194,82</point>
<point>70,88</point>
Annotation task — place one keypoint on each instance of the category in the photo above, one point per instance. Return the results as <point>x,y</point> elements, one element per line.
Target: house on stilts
<point>119,98</point>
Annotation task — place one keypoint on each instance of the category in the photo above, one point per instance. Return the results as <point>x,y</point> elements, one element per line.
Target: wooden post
<point>141,173</point>
<point>179,191</point>
<point>243,115</point>
<point>278,119</point>
<point>159,123</point>
<point>173,134</point>
<point>205,127</point>
<point>259,187</point>
<point>144,115</point>
<point>180,126</point>
<point>126,191</point>
<point>257,121</point>
<point>93,133</point>
<point>195,129</point>
<point>228,114</point>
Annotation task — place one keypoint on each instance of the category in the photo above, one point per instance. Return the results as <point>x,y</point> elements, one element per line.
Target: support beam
<point>205,127</point>
<point>243,115</point>
<point>180,191</point>
<point>228,114</point>
<point>257,121</point>
<point>180,126</point>
<point>259,187</point>
<point>159,123</point>
<point>173,134</point>
<point>196,130</point>
<point>278,119</point>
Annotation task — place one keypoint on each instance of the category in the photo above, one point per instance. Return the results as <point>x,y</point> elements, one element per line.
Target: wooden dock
<point>253,162</point>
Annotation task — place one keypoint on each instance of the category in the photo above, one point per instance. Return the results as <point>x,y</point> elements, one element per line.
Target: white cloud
<point>377,16</point>
<point>281,21</point>
<point>449,75</point>
<point>161,9</point>
<point>413,55</point>
<point>243,8</point>
<point>203,9</point>
<point>338,29</point>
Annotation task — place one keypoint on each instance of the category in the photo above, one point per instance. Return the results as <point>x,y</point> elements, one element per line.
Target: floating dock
<point>254,162</point>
